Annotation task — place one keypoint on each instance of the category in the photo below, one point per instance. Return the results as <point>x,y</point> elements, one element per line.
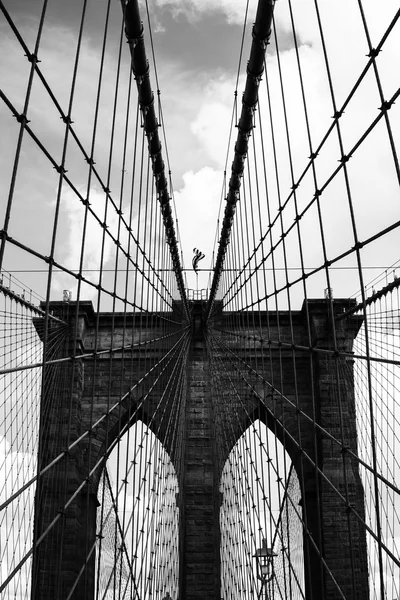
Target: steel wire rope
<point>65,507</point>
<point>123,357</point>
<point>61,170</point>
<point>66,118</point>
<point>15,424</point>
<point>83,239</point>
<point>263,20</point>
<point>249,246</point>
<point>233,119</point>
<point>134,33</point>
<point>283,529</point>
<point>143,519</point>
<point>64,269</point>
<point>373,55</point>
<point>130,237</point>
<point>307,417</point>
<point>94,425</point>
<point>253,505</point>
<point>361,279</point>
<point>118,435</point>
<point>149,424</point>
<point>341,497</point>
<point>256,267</point>
<point>104,520</point>
<point>22,119</point>
<point>162,123</point>
<point>138,445</point>
<point>248,328</point>
<point>316,547</point>
<point>239,396</point>
<point>123,551</point>
<point>340,166</point>
<point>381,380</point>
<point>283,237</point>
<point>44,258</point>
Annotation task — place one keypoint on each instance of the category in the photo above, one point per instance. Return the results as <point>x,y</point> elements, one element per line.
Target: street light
<point>265,565</point>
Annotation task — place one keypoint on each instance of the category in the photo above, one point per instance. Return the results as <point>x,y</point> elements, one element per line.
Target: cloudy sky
<point>197,47</point>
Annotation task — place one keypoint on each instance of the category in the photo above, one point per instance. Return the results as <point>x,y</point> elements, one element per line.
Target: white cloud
<point>16,525</point>
<point>94,231</point>
<point>198,203</point>
<point>212,123</point>
<point>75,230</point>
<point>234,10</point>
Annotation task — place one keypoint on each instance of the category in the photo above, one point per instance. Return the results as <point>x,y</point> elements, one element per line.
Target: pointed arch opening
<point>137,520</point>
<point>260,505</point>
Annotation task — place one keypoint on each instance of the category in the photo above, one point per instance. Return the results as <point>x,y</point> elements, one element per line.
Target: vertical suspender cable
<point>140,68</point>
<point>255,69</point>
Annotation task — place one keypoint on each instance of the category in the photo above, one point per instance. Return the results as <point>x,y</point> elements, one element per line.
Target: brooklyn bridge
<point>200,384</point>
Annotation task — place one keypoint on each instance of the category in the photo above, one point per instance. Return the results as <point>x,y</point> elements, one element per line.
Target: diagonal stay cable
<point>21,118</point>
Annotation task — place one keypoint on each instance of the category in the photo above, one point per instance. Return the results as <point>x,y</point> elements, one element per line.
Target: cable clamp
<point>263,42</point>
<point>60,169</point>
<point>358,246</point>
<point>241,154</point>
<point>141,77</point>
<point>373,53</point>
<point>251,108</point>
<point>245,134</point>
<point>22,118</point>
<point>133,41</point>
<point>256,77</point>
<point>150,133</point>
<point>386,105</point>
<point>338,114</point>
<point>32,58</point>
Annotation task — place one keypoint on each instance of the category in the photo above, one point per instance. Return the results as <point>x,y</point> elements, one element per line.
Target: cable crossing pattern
<point>237,440</point>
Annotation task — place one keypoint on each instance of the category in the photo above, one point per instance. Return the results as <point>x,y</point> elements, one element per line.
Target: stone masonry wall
<point>314,382</point>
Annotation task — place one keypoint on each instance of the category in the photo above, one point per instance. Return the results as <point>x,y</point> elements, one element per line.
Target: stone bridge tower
<point>289,416</point>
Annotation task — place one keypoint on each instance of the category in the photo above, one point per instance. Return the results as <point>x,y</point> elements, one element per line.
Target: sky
<point>197,49</point>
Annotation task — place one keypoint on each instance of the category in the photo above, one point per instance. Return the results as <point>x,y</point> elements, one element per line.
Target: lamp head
<point>265,559</point>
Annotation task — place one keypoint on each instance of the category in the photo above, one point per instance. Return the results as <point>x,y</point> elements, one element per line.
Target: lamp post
<point>265,566</point>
